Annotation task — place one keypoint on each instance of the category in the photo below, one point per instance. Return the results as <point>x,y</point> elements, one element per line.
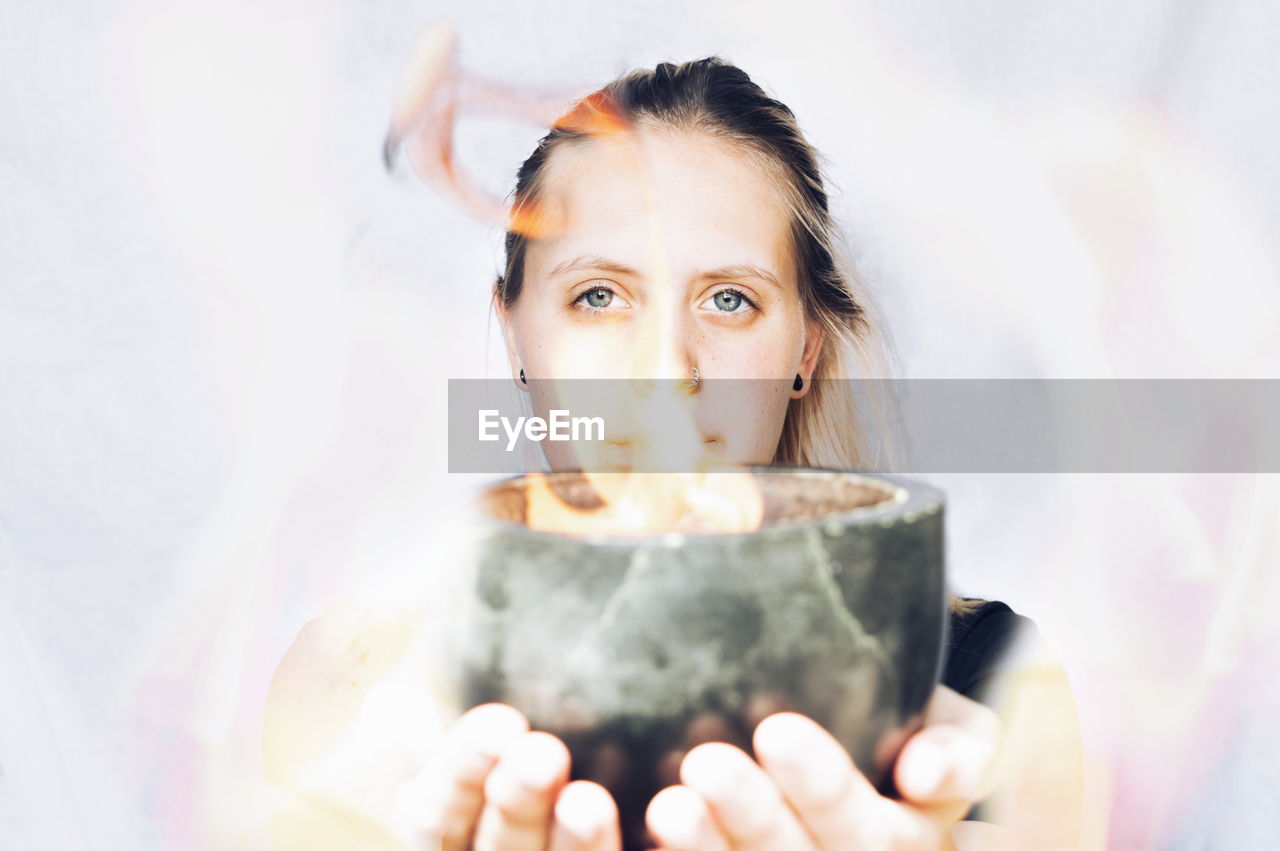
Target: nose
<point>665,346</point>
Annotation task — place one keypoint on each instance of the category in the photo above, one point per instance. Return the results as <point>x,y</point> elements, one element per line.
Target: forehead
<point>682,199</point>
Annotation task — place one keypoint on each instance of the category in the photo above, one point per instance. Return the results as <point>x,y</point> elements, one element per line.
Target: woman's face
<point>670,252</point>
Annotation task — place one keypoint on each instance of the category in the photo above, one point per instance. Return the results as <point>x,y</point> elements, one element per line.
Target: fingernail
<point>926,766</point>
<point>792,744</point>
<point>579,811</point>
<point>785,737</point>
<point>536,760</point>
<point>710,769</point>
<point>488,729</point>
<point>676,815</point>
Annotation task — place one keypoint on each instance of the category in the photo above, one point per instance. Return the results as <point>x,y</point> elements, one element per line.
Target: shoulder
<point>980,637</point>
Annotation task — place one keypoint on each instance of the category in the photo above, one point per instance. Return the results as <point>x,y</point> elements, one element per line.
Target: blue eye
<point>598,299</point>
<point>727,300</point>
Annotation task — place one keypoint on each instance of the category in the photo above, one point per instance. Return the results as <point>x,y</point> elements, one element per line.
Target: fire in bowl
<point>635,648</point>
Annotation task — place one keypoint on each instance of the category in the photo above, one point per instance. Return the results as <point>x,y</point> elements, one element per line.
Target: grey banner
<point>905,425</point>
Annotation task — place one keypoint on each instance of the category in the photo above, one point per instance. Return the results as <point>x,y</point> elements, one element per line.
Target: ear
<point>503,313</point>
<point>815,333</point>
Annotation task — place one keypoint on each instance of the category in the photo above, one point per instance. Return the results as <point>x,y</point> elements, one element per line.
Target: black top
<point>976,645</point>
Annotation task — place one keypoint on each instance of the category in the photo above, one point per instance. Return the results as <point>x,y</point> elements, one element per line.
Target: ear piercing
<point>523,380</point>
<point>798,384</point>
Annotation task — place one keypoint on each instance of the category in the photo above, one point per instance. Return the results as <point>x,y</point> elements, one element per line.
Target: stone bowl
<point>634,649</point>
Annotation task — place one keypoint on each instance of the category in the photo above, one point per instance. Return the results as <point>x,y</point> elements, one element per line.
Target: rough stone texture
<point>635,650</point>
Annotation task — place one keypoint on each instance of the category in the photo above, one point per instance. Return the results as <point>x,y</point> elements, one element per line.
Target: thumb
<point>944,764</point>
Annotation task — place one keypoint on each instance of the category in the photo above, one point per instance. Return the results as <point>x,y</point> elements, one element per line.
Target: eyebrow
<point>594,263</point>
<point>742,271</point>
<point>590,262</point>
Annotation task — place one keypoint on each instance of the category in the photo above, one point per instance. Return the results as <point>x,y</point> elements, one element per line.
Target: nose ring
<point>696,379</point>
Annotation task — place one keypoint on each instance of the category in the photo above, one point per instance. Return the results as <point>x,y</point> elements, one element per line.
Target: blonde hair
<point>848,418</point>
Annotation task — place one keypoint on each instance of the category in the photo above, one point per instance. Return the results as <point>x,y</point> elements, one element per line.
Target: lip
<point>621,455</point>
<point>627,444</point>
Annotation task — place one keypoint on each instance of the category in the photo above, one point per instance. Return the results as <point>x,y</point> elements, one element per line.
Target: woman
<point>675,225</point>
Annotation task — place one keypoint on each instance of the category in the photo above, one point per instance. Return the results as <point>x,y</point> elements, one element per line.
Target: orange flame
<point>436,91</point>
<point>719,502</point>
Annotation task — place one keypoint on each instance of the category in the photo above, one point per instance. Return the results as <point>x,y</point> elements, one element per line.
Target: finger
<point>678,818</point>
<point>586,819</point>
<point>951,758</point>
<point>743,799</point>
<point>834,801</point>
<point>520,793</point>
<point>943,764</point>
<point>470,750</point>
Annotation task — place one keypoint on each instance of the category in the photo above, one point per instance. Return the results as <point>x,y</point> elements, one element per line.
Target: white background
<point>225,334</point>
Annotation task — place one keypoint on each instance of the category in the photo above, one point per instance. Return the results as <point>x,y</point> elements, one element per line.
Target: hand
<point>497,785</point>
<point>806,793</point>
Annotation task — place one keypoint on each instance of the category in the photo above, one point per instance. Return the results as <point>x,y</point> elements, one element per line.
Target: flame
<point>719,502</point>
<point>668,480</point>
<point>437,91</point>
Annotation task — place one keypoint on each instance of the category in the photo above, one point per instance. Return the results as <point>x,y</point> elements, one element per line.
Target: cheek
<point>771,349</point>
<point>551,346</point>
<point>746,416</point>
<point>585,355</point>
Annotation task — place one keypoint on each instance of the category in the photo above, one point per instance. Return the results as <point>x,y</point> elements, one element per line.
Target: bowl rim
<point>911,499</point>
